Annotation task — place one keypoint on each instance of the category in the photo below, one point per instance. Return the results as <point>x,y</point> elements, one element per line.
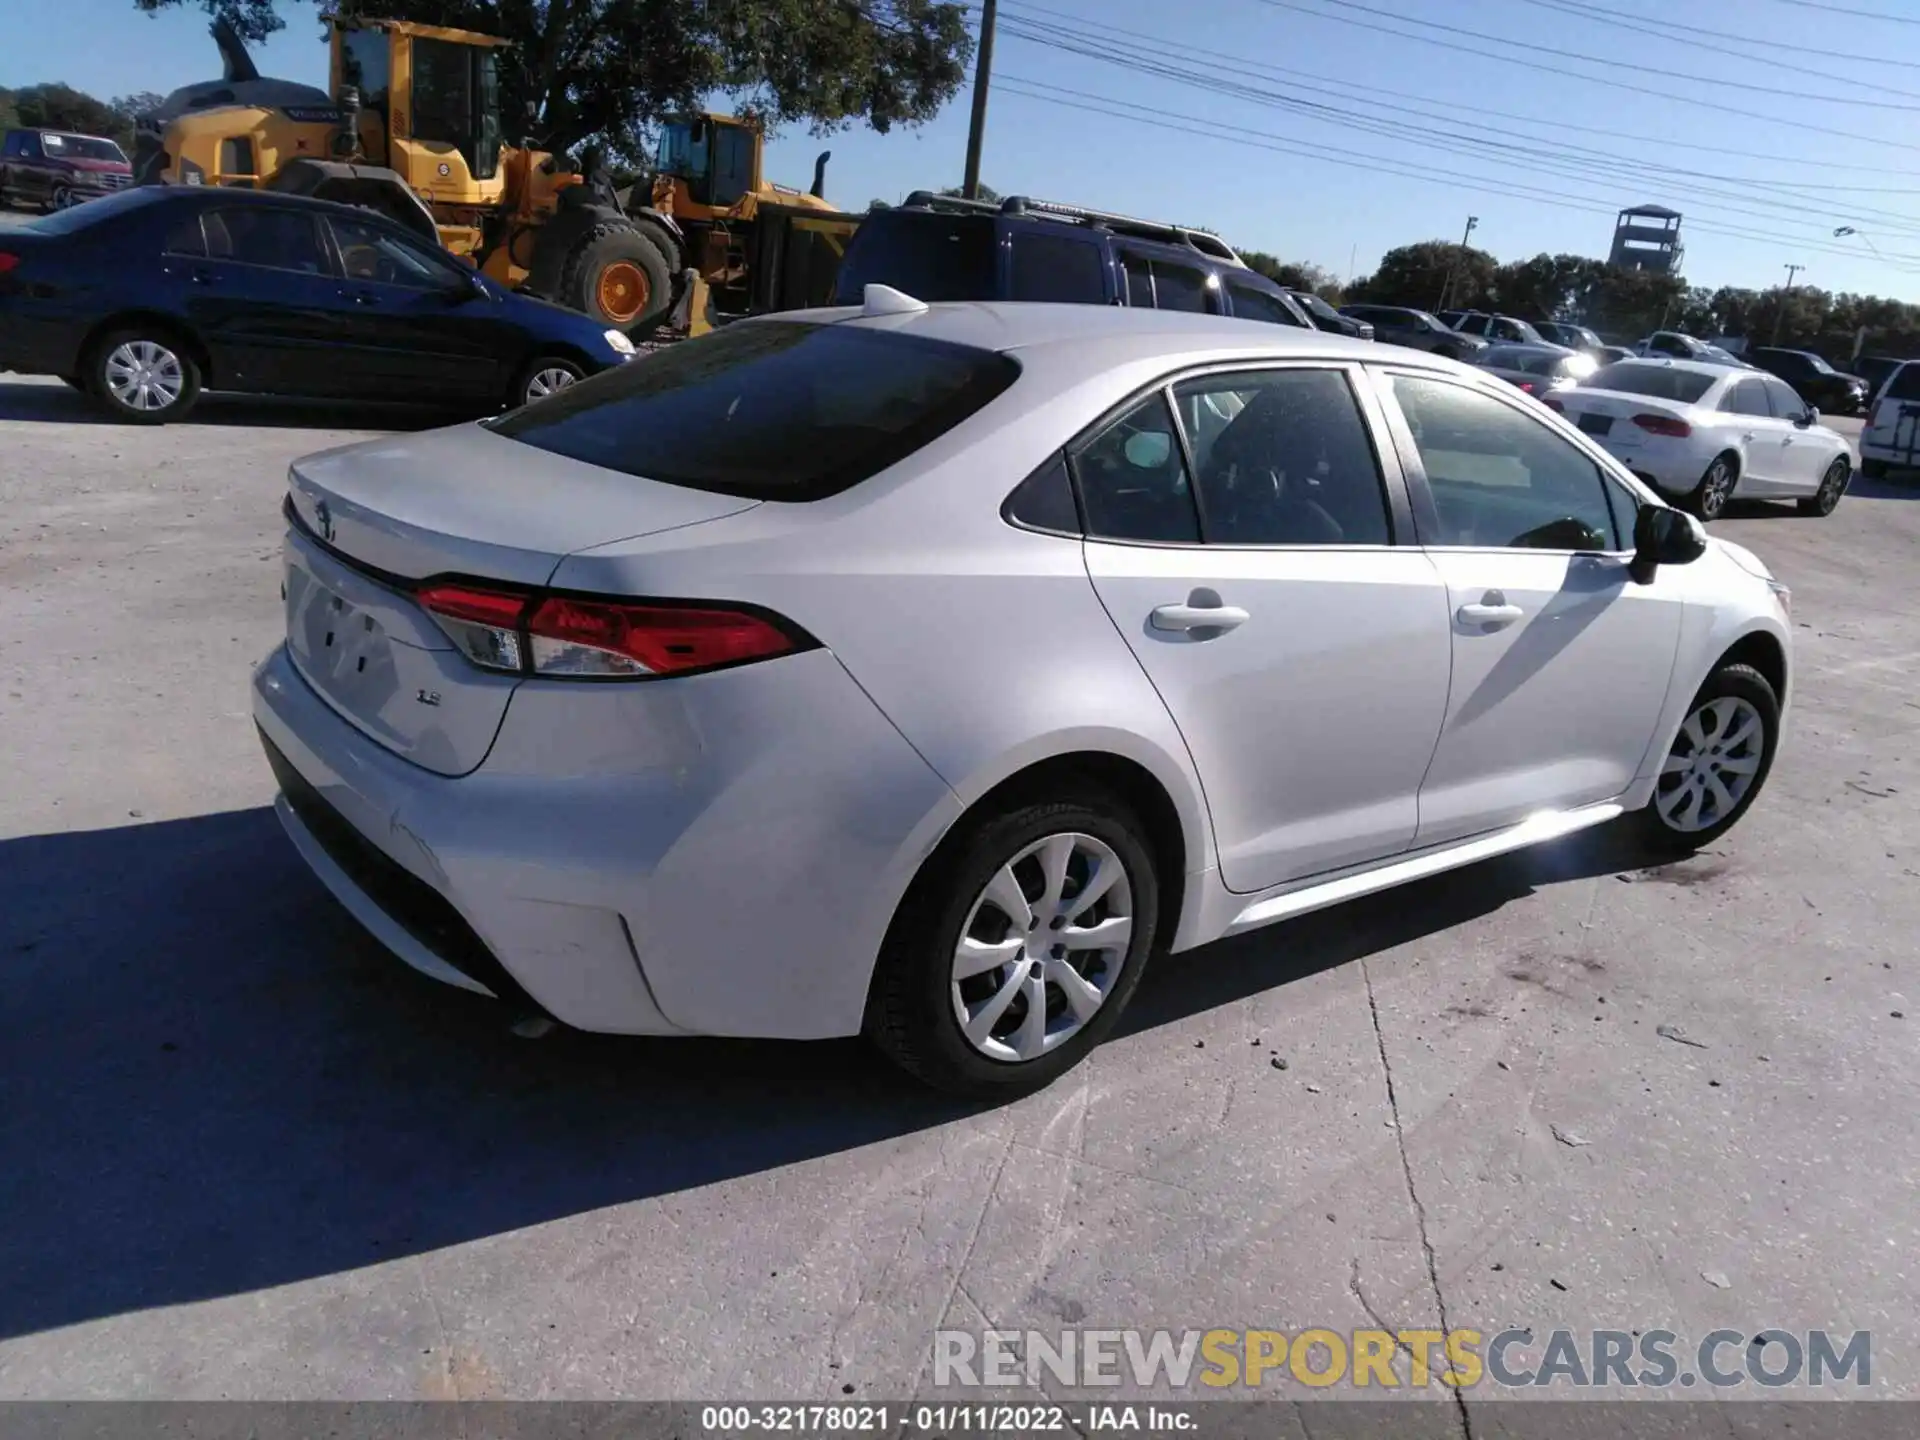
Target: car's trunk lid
<point>1607,415</point>
<point>373,520</point>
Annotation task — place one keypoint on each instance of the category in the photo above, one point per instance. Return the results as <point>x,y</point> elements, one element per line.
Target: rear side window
<point>1656,382</point>
<point>1044,500</point>
<point>1179,287</point>
<point>258,235</point>
<point>1052,267</point>
<point>1252,303</point>
<point>768,410</point>
<point>1139,281</point>
<point>1906,384</point>
<point>927,255</point>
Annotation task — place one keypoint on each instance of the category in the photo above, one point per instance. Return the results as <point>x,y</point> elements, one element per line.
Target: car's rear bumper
<point>687,857</point>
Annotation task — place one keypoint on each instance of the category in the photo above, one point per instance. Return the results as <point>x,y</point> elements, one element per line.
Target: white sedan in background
<point>1698,432</point>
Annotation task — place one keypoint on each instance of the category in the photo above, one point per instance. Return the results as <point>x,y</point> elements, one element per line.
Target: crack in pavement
<point>1413,1196</point>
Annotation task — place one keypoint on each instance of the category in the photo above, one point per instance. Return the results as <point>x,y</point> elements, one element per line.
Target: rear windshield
<point>927,255</point>
<point>769,410</point>
<point>1657,382</point>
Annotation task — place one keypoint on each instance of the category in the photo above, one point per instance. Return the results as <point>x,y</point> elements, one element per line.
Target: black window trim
<point>1402,529</point>
<point>1426,516</point>
<point>1073,489</point>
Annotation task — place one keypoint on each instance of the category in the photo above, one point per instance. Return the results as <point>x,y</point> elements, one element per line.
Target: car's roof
<point>1527,347</point>
<point>1025,325</point>
<point>1694,367</point>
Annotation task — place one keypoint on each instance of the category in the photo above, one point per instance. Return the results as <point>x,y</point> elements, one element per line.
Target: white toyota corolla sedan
<point>1699,432</point>
<point>924,671</point>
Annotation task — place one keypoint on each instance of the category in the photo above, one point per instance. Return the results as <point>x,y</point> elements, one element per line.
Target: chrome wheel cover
<point>144,375</point>
<point>1715,489</point>
<point>1042,947</point>
<point>546,381</point>
<point>1713,764</point>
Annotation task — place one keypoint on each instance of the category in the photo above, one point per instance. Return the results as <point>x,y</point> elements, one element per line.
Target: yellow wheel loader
<point>410,126</point>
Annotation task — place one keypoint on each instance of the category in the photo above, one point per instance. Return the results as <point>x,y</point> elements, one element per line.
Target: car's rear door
<point>1255,553</point>
<point>261,294</point>
<point>1560,661</point>
<point>412,323</point>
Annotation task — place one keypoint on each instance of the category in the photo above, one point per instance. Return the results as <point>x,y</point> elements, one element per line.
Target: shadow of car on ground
<point>55,403</point>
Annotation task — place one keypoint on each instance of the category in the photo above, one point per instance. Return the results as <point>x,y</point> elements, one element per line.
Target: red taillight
<point>1663,425</point>
<point>565,636</point>
<point>1526,385</point>
<point>8,260</point>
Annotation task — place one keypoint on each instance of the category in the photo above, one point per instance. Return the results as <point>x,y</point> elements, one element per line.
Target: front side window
<point>732,164</point>
<point>1787,405</point>
<point>369,253</point>
<point>1499,478</point>
<point>260,235</point>
<point>1053,267</point>
<point>767,410</point>
<point>1139,275</point>
<point>1133,482</point>
<point>1253,303</point>
<point>1282,457</point>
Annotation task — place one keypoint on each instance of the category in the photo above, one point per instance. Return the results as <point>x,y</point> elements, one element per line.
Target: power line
<point>1361,160</point>
<point>1537,49</point>
<point>1667,95</point>
<point>1849,10</point>
<point>1577,166</point>
<point>1666,30</point>
<point>1452,109</point>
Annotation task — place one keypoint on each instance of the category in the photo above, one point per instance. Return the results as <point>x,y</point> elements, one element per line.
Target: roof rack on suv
<point>1205,241</point>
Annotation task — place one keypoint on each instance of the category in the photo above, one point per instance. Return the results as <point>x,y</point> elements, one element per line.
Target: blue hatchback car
<point>148,297</point>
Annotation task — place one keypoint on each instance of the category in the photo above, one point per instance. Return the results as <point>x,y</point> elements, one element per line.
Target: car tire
<point>619,277</point>
<point>143,375</point>
<point>545,376</point>
<point>961,899</point>
<point>1730,757</point>
<point>1833,485</point>
<point>61,199</point>
<point>1708,498</point>
<point>1874,469</point>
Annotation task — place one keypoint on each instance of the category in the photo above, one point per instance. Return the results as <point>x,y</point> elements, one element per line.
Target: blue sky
<point>1339,141</point>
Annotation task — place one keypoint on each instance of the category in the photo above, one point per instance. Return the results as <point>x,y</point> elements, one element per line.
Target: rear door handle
<point>203,277</point>
<point>1490,612</point>
<point>1198,617</point>
<point>362,297</point>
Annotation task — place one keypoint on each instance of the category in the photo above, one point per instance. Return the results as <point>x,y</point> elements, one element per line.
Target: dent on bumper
<point>716,855</point>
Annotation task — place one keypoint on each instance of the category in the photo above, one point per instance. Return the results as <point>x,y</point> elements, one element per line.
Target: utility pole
<point>1447,284</point>
<point>1780,309</point>
<point>982,72</point>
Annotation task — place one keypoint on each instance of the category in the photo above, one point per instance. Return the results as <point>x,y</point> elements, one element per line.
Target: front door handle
<point>1490,612</point>
<point>1198,617</point>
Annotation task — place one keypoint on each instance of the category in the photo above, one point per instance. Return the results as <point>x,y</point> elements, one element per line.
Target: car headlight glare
<point>618,342</point>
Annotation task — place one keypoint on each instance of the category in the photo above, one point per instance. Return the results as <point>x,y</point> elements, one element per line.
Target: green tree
<point>61,107</point>
<point>987,193</point>
<point>1295,275</point>
<point>1416,274</point>
<point>609,69</point>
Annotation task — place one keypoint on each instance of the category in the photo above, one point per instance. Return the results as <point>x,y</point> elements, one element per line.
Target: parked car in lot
<point>148,297</point>
<point>1499,329</point>
<point>1416,329</point>
<point>1537,369</point>
<point>1813,379</point>
<point>1607,354</point>
<point>752,710</point>
<point>1891,437</point>
<point>52,169</point>
<point>1325,317</point>
<point>1699,432</point>
<point>939,247</point>
<point>1573,337</point>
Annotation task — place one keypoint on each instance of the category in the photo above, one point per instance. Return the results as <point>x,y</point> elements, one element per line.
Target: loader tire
<point>618,276</point>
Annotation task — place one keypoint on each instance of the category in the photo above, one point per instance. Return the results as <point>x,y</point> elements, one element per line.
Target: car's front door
<point>1802,455</point>
<point>413,322</point>
<point>1757,433</point>
<point>1247,551</point>
<point>1561,661</point>
<point>261,293</point>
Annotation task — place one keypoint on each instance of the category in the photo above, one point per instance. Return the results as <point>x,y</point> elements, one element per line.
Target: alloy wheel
<point>1715,489</point>
<point>1713,764</point>
<point>63,197</point>
<point>1042,947</point>
<point>547,380</point>
<point>144,375</point>
<point>1832,484</point>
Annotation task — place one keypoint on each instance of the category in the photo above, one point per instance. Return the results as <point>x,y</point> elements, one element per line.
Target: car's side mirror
<point>1663,536</point>
<point>1810,416</point>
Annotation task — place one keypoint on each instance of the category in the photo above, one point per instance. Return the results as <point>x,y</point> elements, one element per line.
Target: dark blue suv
<point>937,247</point>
